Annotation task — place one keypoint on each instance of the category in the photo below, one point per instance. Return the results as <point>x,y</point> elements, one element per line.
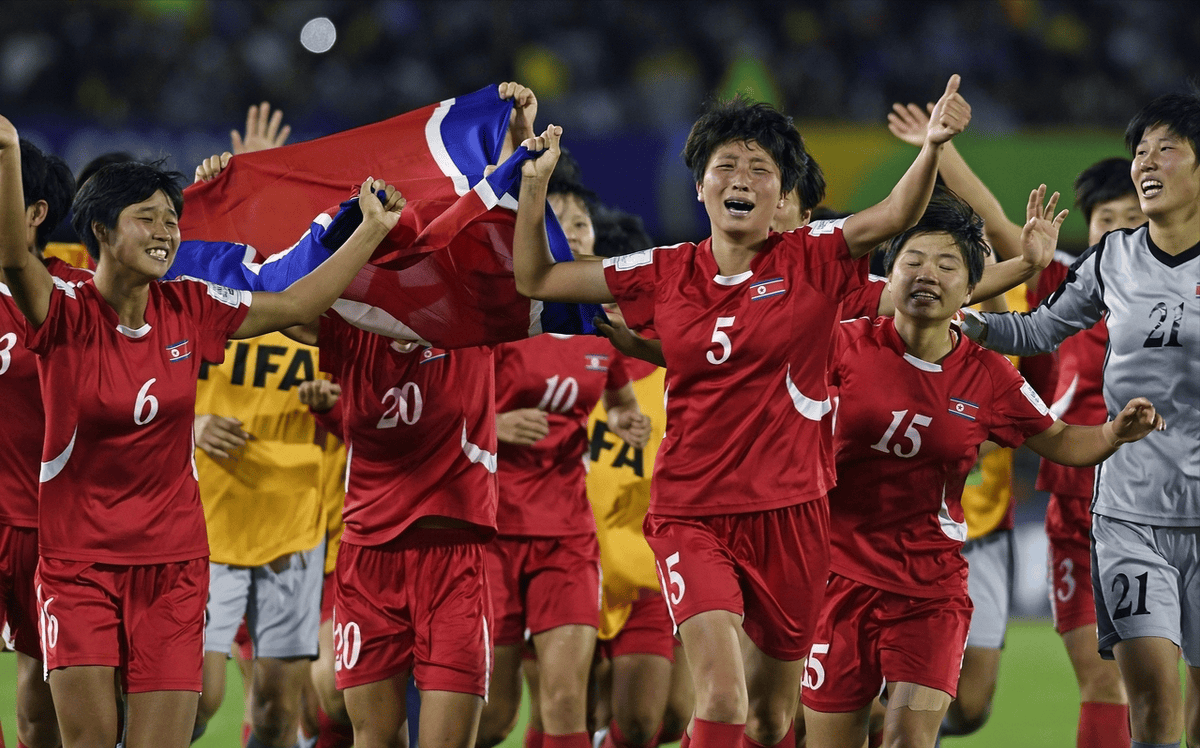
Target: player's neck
<point>928,340</point>
<point>734,252</point>
<point>127,296</point>
<point>1177,232</point>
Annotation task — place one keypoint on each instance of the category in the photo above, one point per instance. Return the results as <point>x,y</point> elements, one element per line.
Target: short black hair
<point>740,120</point>
<point>46,177</point>
<point>1179,112</point>
<point>101,161</point>
<point>114,188</point>
<point>567,179</point>
<point>811,189</point>
<point>619,233</point>
<point>947,213</point>
<point>1103,181</point>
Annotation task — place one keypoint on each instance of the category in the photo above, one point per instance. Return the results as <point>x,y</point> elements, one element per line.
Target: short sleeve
<point>218,312</point>
<point>828,265</point>
<point>62,315</point>
<point>631,280</point>
<point>864,300</point>
<point>618,372</point>
<point>1018,413</point>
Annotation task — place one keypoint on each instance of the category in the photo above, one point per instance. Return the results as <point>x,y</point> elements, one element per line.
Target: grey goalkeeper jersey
<point>1153,305</point>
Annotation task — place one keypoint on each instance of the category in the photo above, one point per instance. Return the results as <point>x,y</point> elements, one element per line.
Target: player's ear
<point>699,192</point>
<point>36,214</point>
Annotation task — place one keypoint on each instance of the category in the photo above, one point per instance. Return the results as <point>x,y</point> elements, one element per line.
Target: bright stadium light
<point>318,35</point>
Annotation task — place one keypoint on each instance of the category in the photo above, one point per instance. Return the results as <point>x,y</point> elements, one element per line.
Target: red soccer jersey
<point>906,434</point>
<point>25,419</point>
<point>420,431</point>
<point>543,487</point>
<point>118,482</point>
<point>1079,394</point>
<point>746,367</point>
<point>864,300</point>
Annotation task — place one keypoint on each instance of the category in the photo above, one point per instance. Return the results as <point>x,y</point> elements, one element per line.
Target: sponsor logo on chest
<point>179,351</point>
<point>963,408</point>
<point>595,361</point>
<point>767,288</point>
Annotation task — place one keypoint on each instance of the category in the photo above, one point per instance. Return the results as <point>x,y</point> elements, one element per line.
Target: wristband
<point>973,325</point>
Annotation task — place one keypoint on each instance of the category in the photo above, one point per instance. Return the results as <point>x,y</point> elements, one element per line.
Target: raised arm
<point>1038,239</point>
<point>538,276</point>
<point>903,207</point>
<point>263,130</point>
<point>909,123</point>
<point>305,299</point>
<point>27,279</point>
<point>1080,446</point>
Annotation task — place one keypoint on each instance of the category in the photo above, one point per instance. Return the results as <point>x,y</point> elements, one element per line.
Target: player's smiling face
<point>146,236</point>
<point>741,189</point>
<point>929,278</point>
<point>1164,173</point>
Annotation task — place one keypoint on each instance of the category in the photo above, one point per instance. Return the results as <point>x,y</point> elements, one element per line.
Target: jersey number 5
<point>910,433</point>
<point>721,339</point>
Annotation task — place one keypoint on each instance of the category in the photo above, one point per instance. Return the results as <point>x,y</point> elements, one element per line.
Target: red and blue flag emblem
<point>768,288</point>
<point>963,408</point>
<point>179,351</point>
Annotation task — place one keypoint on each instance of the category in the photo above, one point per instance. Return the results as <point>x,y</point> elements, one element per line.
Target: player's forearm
<point>1025,334</point>
<point>901,209</point>
<point>531,248</point>
<point>28,281</point>
<point>1001,277</point>
<point>1080,446</point>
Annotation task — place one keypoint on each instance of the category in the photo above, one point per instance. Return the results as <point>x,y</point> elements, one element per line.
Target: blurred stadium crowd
<point>608,65</point>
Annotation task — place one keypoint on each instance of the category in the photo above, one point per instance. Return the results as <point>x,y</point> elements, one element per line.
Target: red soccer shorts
<point>648,631</point>
<point>327,597</point>
<point>867,635</point>
<point>18,563</point>
<point>147,620</point>
<point>768,567</point>
<point>1069,562</point>
<point>540,584</point>
<point>417,603</point>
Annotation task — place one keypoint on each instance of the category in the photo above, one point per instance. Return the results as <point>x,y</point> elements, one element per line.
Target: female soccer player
<point>544,566</point>
<point>739,519</point>
<point>122,579</point>
<point>896,609</point>
<point>1146,508</point>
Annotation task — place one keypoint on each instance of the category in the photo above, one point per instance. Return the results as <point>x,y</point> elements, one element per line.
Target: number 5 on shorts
<point>814,671</point>
<point>677,585</point>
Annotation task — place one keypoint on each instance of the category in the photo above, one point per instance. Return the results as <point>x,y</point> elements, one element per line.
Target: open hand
<point>210,167</point>
<point>627,341</point>
<point>219,436</point>
<point>320,395</point>
<point>950,114</point>
<point>1136,420</point>
<point>542,166</point>
<point>909,122</point>
<point>524,426</point>
<point>263,130</point>
<point>383,210</point>
<point>1039,236</point>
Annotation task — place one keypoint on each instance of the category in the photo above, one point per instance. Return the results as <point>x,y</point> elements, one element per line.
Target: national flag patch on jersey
<point>596,362</point>
<point>766,289</point>
<point>963,408</point>
<point>179,351</point>
<point>431,354</point>
<point>1198,290</point>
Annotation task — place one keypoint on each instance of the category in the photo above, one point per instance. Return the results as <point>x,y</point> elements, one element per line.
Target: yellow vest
<point>618,486</point>
<point>988,491</point>
<point>72,254</point>
<point>267,500</point>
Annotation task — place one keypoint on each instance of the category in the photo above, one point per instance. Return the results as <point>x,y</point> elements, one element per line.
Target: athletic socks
<point>1140,744</point>
<point>686,740</point>
<point>788,740</point>
<point>707,734</point>
<point>333,734</point>
<point>534,738</point>
<point>574,740</point>
<point>1102,725</point>
<point>614,738</point>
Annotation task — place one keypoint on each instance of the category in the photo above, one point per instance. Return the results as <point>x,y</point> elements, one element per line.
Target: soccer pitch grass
<point>1036,701</point>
